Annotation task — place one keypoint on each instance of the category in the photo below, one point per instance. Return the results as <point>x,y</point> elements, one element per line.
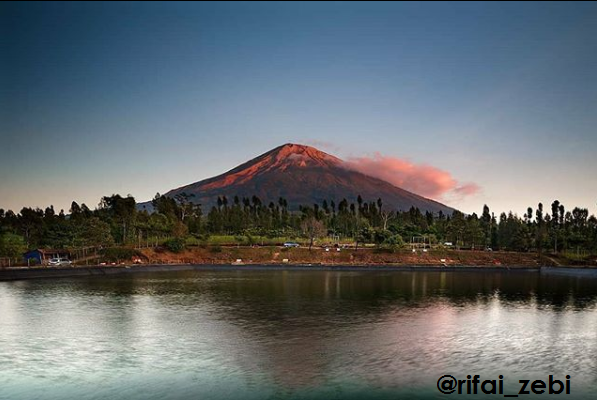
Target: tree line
<point>118,221</point>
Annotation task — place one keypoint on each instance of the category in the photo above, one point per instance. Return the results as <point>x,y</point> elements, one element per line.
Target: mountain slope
<point>302,175</point>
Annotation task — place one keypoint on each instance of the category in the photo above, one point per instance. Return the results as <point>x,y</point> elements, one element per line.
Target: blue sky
<point>136,99</point>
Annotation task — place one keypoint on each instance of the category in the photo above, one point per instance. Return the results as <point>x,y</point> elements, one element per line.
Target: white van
<point>56,262</point>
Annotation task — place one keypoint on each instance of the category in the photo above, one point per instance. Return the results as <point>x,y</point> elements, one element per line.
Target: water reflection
<point>290,333</point>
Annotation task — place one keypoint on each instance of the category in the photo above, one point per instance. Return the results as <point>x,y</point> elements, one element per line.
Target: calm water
<point>292,334</point>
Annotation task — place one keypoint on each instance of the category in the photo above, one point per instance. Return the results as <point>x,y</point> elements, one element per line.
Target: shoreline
<point>16,274</point>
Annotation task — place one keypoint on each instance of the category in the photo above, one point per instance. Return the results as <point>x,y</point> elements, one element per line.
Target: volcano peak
<point>292,154</point>
<point>303,175</point>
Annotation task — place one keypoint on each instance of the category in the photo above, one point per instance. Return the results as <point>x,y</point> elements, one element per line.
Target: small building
<point>42,256</point>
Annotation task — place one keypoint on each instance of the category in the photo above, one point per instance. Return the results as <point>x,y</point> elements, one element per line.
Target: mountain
<point>302,175</point>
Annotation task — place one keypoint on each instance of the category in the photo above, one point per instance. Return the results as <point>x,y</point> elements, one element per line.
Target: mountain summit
<point>303,175</point>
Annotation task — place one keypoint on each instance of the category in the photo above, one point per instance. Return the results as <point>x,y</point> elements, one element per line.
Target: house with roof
<point>42,256</point>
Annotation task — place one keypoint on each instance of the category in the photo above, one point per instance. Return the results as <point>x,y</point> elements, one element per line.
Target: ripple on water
<point>297,334</point>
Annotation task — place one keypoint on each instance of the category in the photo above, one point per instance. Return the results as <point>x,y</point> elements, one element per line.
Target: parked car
<point>56,262</point>
<point>291,244</point>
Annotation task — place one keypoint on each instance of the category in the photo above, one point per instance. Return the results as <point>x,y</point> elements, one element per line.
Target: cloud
<point>422,179</point>
<point>468,189</point>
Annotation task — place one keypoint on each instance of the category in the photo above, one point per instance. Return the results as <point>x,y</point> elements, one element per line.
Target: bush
<point>175,245</point>
<point>391,244</point>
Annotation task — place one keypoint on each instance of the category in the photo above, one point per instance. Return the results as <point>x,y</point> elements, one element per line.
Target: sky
<point>493,103</point>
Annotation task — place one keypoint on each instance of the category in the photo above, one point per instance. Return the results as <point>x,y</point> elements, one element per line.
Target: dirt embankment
<point>277,255</point>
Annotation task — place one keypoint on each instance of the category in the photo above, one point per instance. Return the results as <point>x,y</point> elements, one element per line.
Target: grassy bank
<point>364,256</point>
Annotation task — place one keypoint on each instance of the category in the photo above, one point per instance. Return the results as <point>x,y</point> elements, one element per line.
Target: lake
<point>293,334</point>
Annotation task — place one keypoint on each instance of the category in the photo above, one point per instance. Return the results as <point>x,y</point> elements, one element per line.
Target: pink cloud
<point>422,179</point>
<point>468,189</point>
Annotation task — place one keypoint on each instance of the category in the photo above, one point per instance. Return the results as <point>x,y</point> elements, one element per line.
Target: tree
<point>486,224</point>
<point>179,230</point>
<point>93,232</point>
<point>394,242</point>
<point>185,204</point>
<point>313,228</point>
<point>474,234</point>
<point>12,245</point>
<point>31,225</point>
<point>381,236</point>
<point>363,235</point>
<point>385,217</point>
<point>555,222</point>
<point>158,224</point>
<point>494,232</point>
<point>121,211</point>
<point>539,233</point>
<point>75,210</point>
<point>456,228</point>
<point>528,217</point>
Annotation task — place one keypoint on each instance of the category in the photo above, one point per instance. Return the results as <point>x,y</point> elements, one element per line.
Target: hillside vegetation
<point>178,225</point>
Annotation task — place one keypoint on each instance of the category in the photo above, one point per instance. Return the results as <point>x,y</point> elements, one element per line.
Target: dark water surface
<point>293,334</point>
